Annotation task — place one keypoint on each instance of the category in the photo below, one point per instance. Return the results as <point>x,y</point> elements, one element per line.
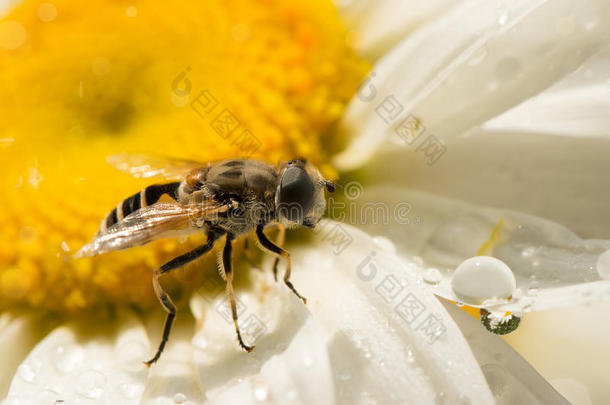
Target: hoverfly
<point>228,198</point>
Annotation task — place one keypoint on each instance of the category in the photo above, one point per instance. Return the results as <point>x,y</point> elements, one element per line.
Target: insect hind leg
<point>165,299</point>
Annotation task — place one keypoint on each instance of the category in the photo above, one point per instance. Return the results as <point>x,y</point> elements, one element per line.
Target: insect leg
<point>279,242</point>
<point>228,269</point>
<point>165,300</point>
<point>270,246</point>
<point>226,263</point>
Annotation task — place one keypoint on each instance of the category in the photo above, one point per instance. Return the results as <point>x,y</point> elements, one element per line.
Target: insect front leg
<point>270,246</point>
<point>281,236</point>
<point>228,271</point>
<point>165,300</point>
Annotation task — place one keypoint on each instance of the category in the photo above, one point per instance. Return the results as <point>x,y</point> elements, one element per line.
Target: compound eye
<point>295,194</point>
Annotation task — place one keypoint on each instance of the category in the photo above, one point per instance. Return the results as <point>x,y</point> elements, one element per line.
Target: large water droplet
<point>483,277</point>
<point>603,265</point>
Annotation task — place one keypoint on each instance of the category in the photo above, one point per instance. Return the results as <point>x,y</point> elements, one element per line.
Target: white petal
<point>381,339</point>
<point>563,179</point>
<point>468,66</point>
<point>290,355</point>
<point>79,367</point>
<point>553,267</point>
<point>379,25</point>
<point>569,347</point>
<point>17,337</point>
<point>173,379</point>
<point>511,379</point>
<point>389,341</point>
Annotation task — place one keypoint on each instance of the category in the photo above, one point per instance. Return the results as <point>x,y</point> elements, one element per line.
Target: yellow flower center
<point>202,80</point>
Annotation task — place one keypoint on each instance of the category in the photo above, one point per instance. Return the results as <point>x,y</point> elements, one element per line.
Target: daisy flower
<point>470,139</point>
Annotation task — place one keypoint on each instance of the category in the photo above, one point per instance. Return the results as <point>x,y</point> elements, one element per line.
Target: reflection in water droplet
<point>603,265</point>
<point>432,276</point>
<point>26,372</point>
<point>179,398</point>
<point>498,323</point>
<point>91,384</point>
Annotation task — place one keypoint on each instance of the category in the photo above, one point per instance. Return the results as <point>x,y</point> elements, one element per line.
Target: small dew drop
<point>432,276</point>
<point>478,56</point>
<point>26,372</point>
<point>261,393</point>
<point>410,357</point>
<point>179,398</point>
<point>603,265</point>
<point>384,244</point>
<point>344,375</point>
<point>307,361</point>
<point>66,358</point>
<point>91,384</point>
<point>131,391</point>
<point>533,291</point>
<point>503,18</point>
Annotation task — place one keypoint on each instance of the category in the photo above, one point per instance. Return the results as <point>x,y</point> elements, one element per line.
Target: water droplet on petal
<point>503,18</point>
<point>478,56</point>
<point>91,384</point>
<point>261,392</point>
<point>307,361</point>
<point>410,357</point>
<point>603,265</point>
<point>508,69</point>
<point>66,358</point>
<point>26,372</point>
<point>344,375</point>
<point>432,276</point>
<point>483,277</point>
<point>179,398</point>
<point>384,244</point>
<point>131,391</point>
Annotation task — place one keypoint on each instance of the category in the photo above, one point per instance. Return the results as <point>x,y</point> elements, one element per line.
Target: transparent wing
<point>150,223</point>
<point>144,166</point>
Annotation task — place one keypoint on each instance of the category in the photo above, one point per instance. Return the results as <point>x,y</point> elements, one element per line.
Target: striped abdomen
<point>146,197</point>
